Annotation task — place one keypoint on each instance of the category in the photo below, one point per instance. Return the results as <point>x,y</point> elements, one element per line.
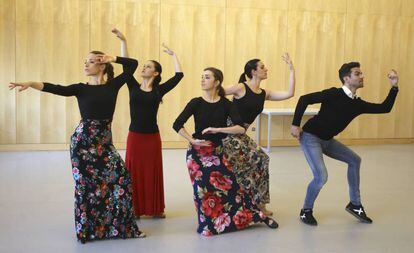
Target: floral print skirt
<point>103,191</point>
<point>221,204</point>
<point>250,165</point>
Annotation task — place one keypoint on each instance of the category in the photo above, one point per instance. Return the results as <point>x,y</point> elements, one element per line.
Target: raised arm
<point>173,81</point>
<point>176,62</point>
<point>129,66</point>
<point>124,46</point>
<point>277,96</point>
<point>388,103</point>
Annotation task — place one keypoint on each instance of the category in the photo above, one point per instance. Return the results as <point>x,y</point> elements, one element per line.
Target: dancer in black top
<point>143,153</point>
<point>250,163</point>
<point>339,106</point>
<point>103,192</point>
<point>222,205</point>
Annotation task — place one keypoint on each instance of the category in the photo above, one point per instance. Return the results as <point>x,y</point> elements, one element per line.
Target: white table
<point>277,112</point>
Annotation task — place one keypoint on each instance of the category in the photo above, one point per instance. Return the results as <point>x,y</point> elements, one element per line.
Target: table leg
<point>269,130</point>
<point>258,129</point>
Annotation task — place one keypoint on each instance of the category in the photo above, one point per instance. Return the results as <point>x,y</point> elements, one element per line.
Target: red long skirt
<point>144,162</point>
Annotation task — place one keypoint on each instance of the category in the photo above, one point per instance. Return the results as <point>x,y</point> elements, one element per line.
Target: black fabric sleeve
<point>67,91</point>
<point>171,83</point>
<point>132,83</point>
<point>308,99</point>
<point>129,66</point>
<point>185,114</point>
<point>384,107</point>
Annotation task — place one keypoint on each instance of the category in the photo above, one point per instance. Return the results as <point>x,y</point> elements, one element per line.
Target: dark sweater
<point>208,115</point>
<point>96,101</point>
<point>143,106</point>
<point>250,105</point>
<point>337,111</point>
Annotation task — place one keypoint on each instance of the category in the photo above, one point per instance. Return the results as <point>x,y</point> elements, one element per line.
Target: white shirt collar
<point>348,92</point>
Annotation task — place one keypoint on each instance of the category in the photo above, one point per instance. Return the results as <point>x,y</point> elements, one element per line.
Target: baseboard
<point>184,144</point>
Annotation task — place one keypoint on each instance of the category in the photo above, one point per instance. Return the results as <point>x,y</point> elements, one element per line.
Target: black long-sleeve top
<point>143,106</point>
<point>337,111</point>
<point>97,101</point>
<point>208,115</point>
<point>250,105</point>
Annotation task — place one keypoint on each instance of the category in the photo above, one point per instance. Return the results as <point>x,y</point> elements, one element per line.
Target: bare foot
<point>264,210</point>
<point>159,216</point>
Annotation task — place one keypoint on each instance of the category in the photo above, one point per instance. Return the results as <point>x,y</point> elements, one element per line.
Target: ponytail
<point>157,80</point>
<point>109,71</point>
<point>242,78</point>
<point>250,65</point>
<point>221,91</point>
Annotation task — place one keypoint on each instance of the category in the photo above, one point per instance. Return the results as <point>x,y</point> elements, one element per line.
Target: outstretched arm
<point>70,90</point>
<point>237,90</point>
<point>388,103</point>
<point>277,96</point>
<point>24,85</point>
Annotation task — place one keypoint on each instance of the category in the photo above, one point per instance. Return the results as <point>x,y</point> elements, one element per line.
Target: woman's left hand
<point>103,58</point>
<point>167,49</point>
<point>286,58</point>
<point>210,130</point>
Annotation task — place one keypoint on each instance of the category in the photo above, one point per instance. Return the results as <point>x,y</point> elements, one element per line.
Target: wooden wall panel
<point>7,72</point>
<point>139,21</point>
<point>197,33</point>
<point>369,40</point>
<point>51,38</point>
<point>379,7</point>
<point>257,33</point>
<point>403,111</point>
<point>264,4</point>
<point>47,49</point>
<point>318,5</point>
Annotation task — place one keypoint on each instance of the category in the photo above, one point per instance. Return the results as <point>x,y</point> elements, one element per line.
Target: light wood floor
<point>36,207</point>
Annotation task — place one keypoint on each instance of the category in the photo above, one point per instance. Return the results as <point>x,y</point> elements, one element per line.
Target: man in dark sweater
<point>339,106</point>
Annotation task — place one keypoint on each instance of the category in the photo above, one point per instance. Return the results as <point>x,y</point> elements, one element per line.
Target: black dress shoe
<point>271,223</point>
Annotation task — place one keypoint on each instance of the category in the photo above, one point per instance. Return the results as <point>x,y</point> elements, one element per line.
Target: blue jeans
<point>313,147</point>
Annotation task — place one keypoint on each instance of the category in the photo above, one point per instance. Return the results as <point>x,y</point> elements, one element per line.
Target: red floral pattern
<point>221,204</point>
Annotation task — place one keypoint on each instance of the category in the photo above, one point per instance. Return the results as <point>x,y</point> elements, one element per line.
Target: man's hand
<point>296,131</point>
<point>393,77</point>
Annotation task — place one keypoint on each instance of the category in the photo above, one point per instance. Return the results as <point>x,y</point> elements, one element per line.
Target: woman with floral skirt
<point>250,163</point>
<point>221,204</point>
<point>103,190</point>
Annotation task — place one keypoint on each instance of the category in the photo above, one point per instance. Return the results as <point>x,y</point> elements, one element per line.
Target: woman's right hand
<point>202,143</point>
<point>118,34</point>
<point>22,86</point>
